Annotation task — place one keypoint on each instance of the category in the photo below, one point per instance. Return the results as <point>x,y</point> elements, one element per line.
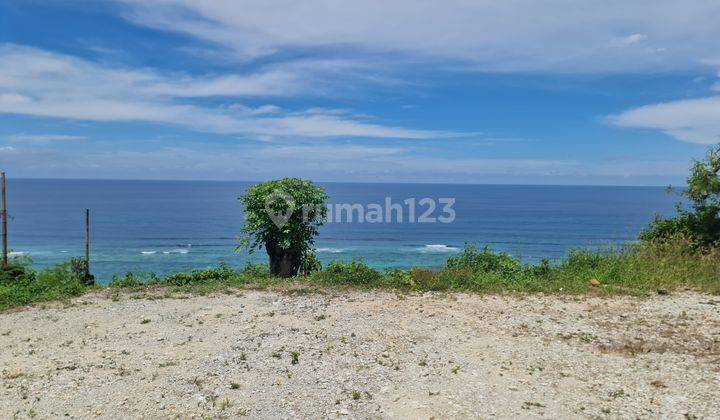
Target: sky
<point>455,91</point>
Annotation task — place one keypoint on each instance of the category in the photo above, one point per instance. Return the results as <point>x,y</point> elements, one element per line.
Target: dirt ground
<point>264,354</point>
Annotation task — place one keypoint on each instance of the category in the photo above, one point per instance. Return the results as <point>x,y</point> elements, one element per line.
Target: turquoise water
<point>169,226</point>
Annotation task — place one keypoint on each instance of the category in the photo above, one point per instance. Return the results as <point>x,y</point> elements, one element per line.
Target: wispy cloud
<point>43,138</point>
<point>40,83</point>
<point>524,35</point>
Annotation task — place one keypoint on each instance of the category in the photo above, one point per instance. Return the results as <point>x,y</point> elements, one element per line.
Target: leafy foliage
<point>484,261</point>
<point>700,223</point>
<point>305,206</point>
<point>222,273</point>
<point>81,271</point>
<point>283,216</point>
<point>54,283</point>
<point>133,280</point>
<point>309,263</point>
<point>353,273</point>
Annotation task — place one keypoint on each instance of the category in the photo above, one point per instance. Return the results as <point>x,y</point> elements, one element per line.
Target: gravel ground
<point>290,354</point>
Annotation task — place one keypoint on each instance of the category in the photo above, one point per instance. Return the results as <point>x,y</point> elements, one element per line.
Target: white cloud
<point>41,138</point>
<point>691,120</point>
<point>7,149</point>
<point>36,82</point>
<point>632,39</point>
<point>515,35</point>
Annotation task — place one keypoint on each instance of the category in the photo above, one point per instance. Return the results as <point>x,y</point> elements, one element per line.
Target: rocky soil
<point>294,354</point>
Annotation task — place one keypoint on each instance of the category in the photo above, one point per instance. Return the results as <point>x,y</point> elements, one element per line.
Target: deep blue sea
<point>169,226</point>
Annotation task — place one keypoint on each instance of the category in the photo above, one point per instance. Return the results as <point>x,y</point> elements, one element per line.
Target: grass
<point>638,269</point>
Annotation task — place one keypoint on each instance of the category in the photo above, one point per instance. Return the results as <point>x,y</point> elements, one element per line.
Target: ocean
<point>170,226</point>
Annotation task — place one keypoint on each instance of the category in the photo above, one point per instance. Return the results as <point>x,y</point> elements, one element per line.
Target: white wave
<point>176,251</point>
<point>438,248</point>
<point>148,252</point>
<point>16,253</point>
<point>330,250</point>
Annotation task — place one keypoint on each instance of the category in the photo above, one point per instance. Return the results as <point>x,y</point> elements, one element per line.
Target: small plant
<point>234,385</point>
<point>455,369</point>
<point>145,321</point>
<point>356,395</point>
<point>81,270</point>
<point>294,357</point>
<point>225,404</point>
<point>309,262</point>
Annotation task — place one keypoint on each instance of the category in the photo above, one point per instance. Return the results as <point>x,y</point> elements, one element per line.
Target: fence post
<point>87,240</point>
<point>4,222</point>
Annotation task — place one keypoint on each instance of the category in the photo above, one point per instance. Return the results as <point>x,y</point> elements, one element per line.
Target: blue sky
<point>552,92</point>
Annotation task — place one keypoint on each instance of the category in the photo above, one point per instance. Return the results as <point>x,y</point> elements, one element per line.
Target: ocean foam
<point>148,252</point>
<point>330,250</point>
<point>438,248</point>
<point>176,251</point>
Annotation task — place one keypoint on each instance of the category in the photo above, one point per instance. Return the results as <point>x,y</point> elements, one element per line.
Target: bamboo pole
<point>3,215</point>
<point>87,239</point>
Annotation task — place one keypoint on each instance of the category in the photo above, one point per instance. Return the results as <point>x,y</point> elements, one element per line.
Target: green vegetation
<point>20,285</point>
<point>638,269</point>
<point>701,223</point>
<point>284,216</point>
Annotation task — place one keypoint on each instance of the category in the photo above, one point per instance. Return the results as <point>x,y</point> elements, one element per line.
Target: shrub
<point>354,273</point>
<point>81,271</point>
<point>309,263</point>
<point>16,271</point>
<point>483,261</point>
<point>133,280</point>
<point>255,271</point>
<point>223,273</point>
<point>57,282</point>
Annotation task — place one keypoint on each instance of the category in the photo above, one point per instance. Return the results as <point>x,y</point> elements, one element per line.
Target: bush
<point>309,263</point>
<point>133,280</point>
<point>81,270</point>
<point>484,261</point>
<point>14,272</point>
<point>54,283</point>
<point>255,271</point>
<point>221,274</point>
<point>354,273</point>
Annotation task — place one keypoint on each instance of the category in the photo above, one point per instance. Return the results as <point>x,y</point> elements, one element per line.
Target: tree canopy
<point>701,221</point>
<point>283,216</point>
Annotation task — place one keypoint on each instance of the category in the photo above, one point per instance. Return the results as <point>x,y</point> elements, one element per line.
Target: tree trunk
<point>283,262</point>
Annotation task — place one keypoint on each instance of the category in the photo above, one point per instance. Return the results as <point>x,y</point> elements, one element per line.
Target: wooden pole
<point>4,223</point>
<point>87,239</point>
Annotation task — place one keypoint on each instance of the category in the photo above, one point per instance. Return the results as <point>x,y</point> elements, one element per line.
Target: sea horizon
<point>323,181</point>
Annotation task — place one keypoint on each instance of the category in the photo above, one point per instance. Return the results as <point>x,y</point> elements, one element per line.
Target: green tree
<point>701,222</point>
<point>283,216</point>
